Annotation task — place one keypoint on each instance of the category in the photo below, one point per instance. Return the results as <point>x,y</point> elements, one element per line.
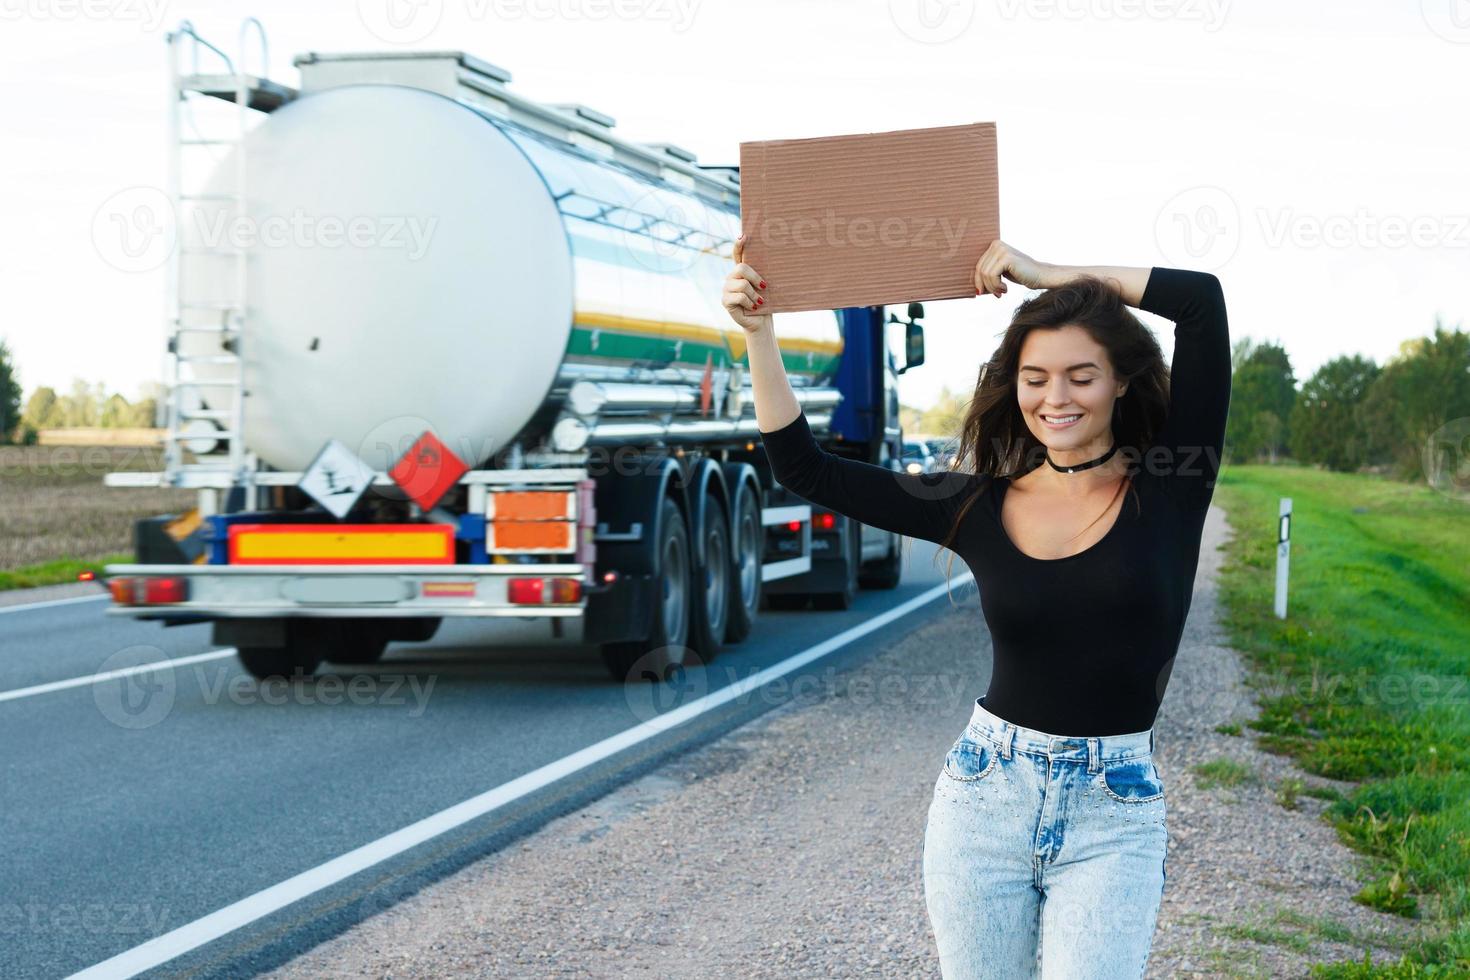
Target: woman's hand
<point>740,296</point>
<point>1000,260</point>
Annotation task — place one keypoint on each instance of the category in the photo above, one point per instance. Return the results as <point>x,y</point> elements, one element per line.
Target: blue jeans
<point>1044,854</point>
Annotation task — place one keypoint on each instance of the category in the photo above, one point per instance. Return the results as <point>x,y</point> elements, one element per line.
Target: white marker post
<point>1283,555</point>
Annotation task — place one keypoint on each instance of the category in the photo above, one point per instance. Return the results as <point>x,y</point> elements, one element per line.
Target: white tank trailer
<point>402,246</point>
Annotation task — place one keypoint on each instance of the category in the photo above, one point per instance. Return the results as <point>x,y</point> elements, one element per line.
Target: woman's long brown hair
<point>994,438</point>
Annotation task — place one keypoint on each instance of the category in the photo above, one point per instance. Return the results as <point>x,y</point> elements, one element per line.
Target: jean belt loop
<point>1008,740</point>
<point>1094,755</point>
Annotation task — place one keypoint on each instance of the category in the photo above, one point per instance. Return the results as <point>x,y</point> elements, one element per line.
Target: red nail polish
<point>763,284</point>
<point>759,300</point>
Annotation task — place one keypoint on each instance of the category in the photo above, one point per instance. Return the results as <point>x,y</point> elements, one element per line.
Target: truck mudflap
<point>496,590</point>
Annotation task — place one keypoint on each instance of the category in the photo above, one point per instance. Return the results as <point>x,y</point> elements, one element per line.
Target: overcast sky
<point>1314,157</point>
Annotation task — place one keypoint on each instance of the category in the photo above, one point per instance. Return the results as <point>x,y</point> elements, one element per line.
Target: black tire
<point>302,654</point>
<point>845,598</point>
<point>747,552</point>
<point>665,649</point>
<point>710,599</point>
<point>351,641</point>
<point>886,572</point>
<point>413,629</point>
<point>788,601</point>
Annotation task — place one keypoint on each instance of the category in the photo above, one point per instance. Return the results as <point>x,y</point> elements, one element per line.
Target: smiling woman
<point>1073,418</point>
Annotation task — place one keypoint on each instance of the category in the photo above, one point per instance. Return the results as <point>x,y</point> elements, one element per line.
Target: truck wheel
<point>747,551</point>
<point>352,641</point>
<point>885,572</point>
<point>296,657</point>
<point>844,598</point>
<point>655,657</point>
<point>413,629</point>
<point>710,602</point>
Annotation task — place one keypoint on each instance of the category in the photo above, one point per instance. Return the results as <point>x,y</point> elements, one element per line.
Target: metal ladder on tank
<point>221,317</point>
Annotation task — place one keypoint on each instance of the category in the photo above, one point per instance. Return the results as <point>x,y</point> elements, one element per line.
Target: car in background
<point>917,457</point>
<point>944,449</point>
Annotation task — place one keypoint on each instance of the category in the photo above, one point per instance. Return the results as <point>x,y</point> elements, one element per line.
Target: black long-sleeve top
<point>1084,644</point>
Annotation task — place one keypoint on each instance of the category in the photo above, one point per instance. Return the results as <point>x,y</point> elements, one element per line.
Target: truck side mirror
<point>916,310</point>
<point>913,346</point>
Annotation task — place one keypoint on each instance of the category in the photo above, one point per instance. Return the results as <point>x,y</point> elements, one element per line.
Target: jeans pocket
<point>1135,780</point>
<point>971,758</point>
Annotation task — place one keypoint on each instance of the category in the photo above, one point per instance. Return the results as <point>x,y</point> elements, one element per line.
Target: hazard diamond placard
<point>336,478</point>
<point>427,470</point>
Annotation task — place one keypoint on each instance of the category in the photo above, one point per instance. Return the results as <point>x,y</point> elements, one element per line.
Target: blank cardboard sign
<point>869,219</point>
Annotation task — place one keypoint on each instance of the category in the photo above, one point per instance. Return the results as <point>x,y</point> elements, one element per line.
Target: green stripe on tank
<point>650,347</point>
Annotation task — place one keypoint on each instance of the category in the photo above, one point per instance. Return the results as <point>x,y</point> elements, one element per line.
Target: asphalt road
<point>133,806</point>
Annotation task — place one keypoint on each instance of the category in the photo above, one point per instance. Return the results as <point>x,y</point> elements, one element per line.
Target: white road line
<point>23,606</point>
<point>189,937</point>
<point>107,675</point>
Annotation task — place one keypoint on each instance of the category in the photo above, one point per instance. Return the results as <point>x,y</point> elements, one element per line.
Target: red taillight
<point>793,526</point>
<point>165,590</point>
<point>825,522</point>
<point>534,591</point>
<point>148,591</point>
<point>526,590</point>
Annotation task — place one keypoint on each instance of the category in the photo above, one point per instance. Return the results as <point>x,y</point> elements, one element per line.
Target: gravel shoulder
<point>792,847</point>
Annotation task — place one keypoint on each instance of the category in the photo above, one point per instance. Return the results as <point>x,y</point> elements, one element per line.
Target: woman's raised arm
<point>920,505</point>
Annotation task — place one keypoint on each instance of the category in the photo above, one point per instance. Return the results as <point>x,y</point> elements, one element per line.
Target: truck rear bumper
<point>350,590</point>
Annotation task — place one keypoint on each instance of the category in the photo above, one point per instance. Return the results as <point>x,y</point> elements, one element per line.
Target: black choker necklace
<point>1084,466</point>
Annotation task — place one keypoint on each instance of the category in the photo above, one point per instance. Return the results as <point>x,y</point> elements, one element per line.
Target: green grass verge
<point>1367,679</point>
<point>57,572</point>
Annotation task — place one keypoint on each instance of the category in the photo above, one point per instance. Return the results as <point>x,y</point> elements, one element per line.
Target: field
<point>1368,677</point>
<point>56,517</point>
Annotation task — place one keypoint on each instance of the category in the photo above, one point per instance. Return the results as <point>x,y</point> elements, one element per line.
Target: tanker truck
<point>434,349</point>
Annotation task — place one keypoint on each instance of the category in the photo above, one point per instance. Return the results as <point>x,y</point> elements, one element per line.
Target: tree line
<point>1351,414</point>
<point>86,405</point>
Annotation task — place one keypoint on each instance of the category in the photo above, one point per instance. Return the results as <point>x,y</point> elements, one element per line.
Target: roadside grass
<point>1367,680</point>
<point>59,571</point>
<point>1222,772</point>
<point>1300,933</point>
<point>56,517</point>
